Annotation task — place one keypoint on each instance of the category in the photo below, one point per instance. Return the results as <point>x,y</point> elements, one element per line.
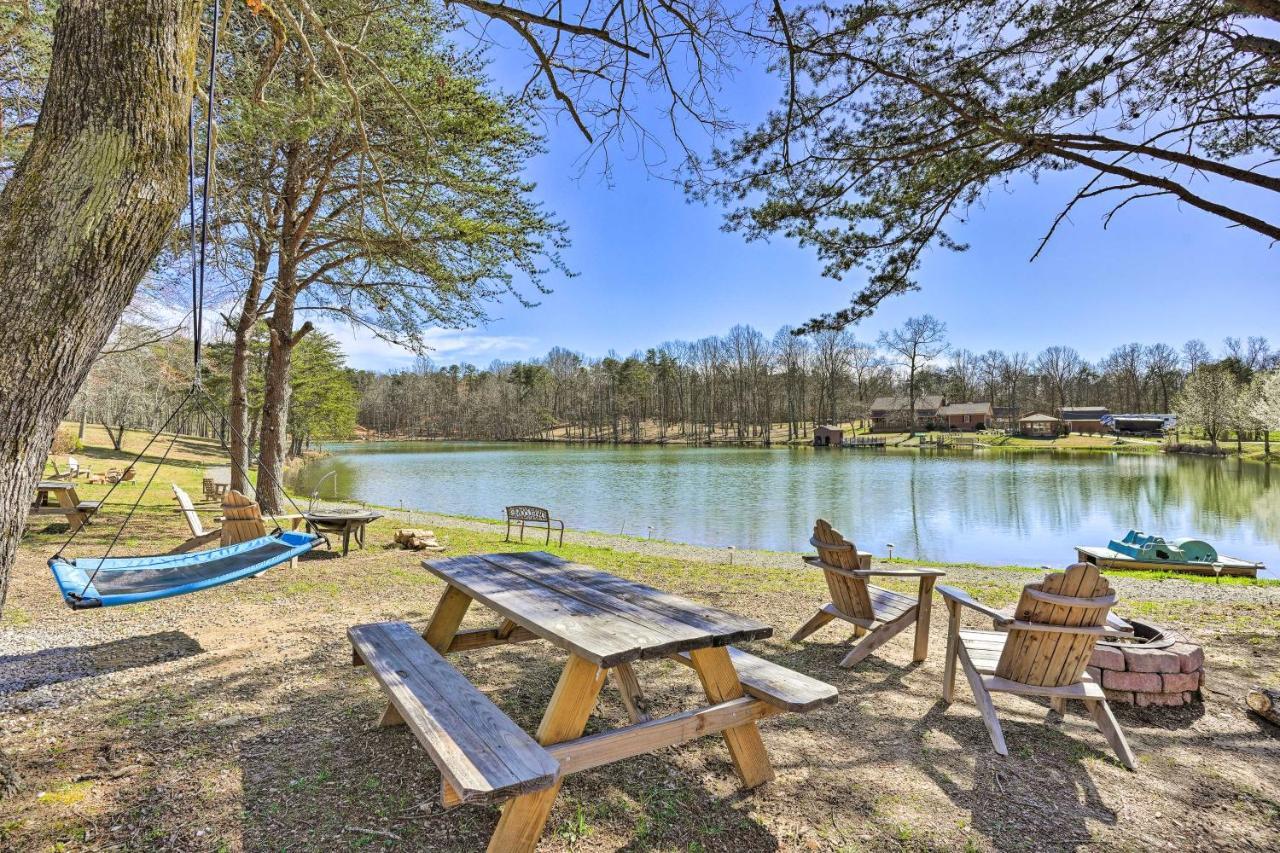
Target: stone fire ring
<point>1162,667</point>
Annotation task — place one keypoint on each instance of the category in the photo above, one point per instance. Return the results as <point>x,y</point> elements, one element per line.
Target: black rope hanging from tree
<point>199,260</point>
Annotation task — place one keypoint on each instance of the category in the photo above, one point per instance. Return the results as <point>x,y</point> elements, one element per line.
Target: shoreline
<point>1027,445</point>
<point>758,558</point>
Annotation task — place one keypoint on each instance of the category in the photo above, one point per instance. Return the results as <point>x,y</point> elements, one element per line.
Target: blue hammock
<point>128,580</point>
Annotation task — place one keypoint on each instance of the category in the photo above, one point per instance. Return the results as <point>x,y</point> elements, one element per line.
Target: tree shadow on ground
<point>23,672</point>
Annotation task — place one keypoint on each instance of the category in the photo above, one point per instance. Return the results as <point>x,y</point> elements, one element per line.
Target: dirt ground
<point>233,720</point>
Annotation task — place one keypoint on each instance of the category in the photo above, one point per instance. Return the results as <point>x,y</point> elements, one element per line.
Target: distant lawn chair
<point>199,536</point>
<point>1049,641</point>
<point>534,516</point>
<point>876,614</point>
<point>74,469</point>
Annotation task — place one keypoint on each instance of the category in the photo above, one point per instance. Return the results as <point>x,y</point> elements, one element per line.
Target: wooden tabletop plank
<point>726,627</point>
<point>688,624</point>
<point>586,630</point>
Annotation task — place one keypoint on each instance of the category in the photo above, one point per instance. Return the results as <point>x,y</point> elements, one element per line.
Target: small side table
<point>348,522</point>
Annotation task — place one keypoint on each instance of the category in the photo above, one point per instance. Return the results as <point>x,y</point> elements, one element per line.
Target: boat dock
<point>1106,558</point>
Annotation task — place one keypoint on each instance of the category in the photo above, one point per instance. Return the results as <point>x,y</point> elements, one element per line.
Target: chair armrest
<point>959,596</point>
<point>814,560</point>
<point>904,573</point>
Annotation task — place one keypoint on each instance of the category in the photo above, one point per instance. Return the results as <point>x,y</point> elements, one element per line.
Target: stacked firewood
<point>415,539</point>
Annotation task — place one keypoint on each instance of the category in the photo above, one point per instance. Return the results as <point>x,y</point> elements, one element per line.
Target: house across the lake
<point>1142,424</point>
<point>894,413</point>
<point>1039,425</point>
<point>828,436</point>
<point>966,416</point>
<point>1084,419</point>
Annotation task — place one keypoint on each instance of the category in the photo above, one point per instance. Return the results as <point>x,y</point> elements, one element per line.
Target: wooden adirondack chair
<point>241,518</point>
<point>1044,651</point>
<point>199,536</point>
<point>877,614</point>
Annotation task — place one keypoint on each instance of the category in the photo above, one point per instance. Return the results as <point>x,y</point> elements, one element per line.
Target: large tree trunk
<point>275,401</point>
<point>84,216</point>
<point>82,219</point>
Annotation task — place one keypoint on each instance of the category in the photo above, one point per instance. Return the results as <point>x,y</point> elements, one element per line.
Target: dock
<point>1108,559</point>
<point>865,441</point>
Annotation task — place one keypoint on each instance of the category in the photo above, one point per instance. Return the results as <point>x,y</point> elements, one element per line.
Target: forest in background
<point>737,387</point>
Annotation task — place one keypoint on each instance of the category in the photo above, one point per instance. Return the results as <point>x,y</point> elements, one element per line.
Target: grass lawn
<point>232,719</point>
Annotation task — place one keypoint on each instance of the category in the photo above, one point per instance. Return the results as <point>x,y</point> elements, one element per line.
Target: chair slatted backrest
<point>1080,596</point>
<point>241,518</point>
<point>189,511</point>
<point>848,594</point>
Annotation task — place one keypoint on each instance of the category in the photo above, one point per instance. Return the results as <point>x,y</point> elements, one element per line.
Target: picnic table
<point>605,624</point>
<point>76,511</point>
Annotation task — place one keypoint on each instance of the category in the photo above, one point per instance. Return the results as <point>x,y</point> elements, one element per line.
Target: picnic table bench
<point>76,511</point>
<point>605,624</point>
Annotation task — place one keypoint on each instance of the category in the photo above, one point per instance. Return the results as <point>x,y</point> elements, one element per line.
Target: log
<point>1266,704</point>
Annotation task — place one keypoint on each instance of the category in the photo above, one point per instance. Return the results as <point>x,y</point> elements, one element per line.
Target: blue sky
<point>655,267</point>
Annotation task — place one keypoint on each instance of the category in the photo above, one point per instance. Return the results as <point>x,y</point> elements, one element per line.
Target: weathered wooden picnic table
<point>76,511</point>
<point>605,624</point>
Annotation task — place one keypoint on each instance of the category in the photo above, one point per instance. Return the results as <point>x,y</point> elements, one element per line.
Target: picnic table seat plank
<point>775,684</point>
<point>481,753</point>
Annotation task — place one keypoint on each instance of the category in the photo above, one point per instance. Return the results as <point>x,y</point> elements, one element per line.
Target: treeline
<point>144,374</point>
<point>740,385</point>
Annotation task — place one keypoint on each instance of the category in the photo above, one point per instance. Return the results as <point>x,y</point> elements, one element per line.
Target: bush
<point>65,440</point>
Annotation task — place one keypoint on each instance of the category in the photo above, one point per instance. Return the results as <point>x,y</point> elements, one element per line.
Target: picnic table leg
<point>68,500</point>
<point>629,690</point>
<point>720,682</point>
<point>575,697</point>
<point>445,621</point>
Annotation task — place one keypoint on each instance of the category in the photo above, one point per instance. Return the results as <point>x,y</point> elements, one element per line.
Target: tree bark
<point>275,399</point>
<point>84,215</point>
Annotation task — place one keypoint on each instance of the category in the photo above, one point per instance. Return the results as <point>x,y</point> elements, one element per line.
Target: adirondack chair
<point>1043,651</point>
<point>876,614</point>
<point>74,470</point>
<point>241,518</point>
<point>199,536</point>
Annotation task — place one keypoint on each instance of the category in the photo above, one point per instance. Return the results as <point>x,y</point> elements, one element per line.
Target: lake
<point>954,506</point>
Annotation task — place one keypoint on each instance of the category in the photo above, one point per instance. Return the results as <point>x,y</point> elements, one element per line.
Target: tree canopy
<point>901,115</point>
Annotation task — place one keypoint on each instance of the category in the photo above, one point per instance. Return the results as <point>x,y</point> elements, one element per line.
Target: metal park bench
<point>534,516</point>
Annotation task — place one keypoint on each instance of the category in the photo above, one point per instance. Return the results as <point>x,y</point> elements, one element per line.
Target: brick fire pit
<point>1158,667</point>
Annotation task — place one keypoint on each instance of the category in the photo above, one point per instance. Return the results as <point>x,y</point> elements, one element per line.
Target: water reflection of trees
<point>942,506</point>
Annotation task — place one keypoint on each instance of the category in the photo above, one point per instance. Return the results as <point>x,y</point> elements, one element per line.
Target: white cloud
<point>447,346</point>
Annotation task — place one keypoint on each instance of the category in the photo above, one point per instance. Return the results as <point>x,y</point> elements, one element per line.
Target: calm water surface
<point>1025,509</point>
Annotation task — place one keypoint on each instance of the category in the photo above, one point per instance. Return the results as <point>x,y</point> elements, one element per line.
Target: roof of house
<point>1082,413</point>
<point>902,404</point>
<point>831,428</point>
<point>965,409</point>
<point>1038,417</point>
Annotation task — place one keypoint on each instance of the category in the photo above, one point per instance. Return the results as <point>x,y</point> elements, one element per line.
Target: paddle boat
<point>1138,550</point>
